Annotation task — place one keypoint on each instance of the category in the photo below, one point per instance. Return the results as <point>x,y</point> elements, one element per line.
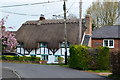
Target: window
<point>43,44</point>
<point>44,57</point>
<point>20,45</point>
<point>56,58</point>
<point>62,44</point>
<point>108,43</point>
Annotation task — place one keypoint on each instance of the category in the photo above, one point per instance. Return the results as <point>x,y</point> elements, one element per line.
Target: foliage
<point>115,62</point>
<point>99,71</point>
<point>113,76</point>
<point>60,60</point>
<point>82,57</point>
<point>103,13</point>
<point>77,57</point>
<point>8,38</point>
<point>20,58</point>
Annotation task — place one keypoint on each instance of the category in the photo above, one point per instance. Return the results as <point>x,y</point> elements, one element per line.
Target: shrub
<point>60,60</point>
<point>77,57</point>
<point>103,58</point>
<point>115,62</point>
<point>10,58</point>
<point>37,58</point>
<point>21,58</point>
<point>4,58</point>
<point>16,58</point>
<point>82,57</point>
<point>0,57</point>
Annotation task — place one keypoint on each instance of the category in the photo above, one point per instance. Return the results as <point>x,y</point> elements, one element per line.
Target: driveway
<point>47,71</point>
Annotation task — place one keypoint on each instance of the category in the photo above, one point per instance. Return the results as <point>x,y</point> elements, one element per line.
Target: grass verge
<point>99,71</point>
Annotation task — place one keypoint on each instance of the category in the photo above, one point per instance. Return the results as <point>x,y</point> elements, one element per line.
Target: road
<point>47,71</point>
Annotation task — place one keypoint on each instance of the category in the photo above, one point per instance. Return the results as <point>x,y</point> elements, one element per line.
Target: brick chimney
<point>89,28</point>
<point>88,25</point>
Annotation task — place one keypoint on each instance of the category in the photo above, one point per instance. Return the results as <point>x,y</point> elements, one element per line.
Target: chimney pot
<point>42,17</point>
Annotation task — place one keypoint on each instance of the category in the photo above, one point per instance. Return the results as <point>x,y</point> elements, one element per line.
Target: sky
<point>48,9</point>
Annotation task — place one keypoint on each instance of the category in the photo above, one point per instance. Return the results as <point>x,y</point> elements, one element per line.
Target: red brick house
<point>107,36</point>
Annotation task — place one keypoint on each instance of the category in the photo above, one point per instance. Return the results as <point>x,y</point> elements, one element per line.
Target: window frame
<point>108,43</point>
<point>44,57</point>
<point>62,44</point>
<point>45,45</point>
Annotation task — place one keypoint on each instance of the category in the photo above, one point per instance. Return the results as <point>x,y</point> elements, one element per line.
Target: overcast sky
<point>48,9</point>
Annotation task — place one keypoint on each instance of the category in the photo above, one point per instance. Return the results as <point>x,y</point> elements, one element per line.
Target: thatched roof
<point>50,31</point>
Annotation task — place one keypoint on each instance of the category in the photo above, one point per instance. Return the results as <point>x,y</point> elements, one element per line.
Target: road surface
<point>48,71</point>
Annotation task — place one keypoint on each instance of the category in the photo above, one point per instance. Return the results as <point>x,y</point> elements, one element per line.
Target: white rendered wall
<point>51,58</point>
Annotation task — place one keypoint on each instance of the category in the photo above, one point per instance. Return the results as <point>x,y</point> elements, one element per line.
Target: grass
<point>64,65</point>
<point>99,71</point>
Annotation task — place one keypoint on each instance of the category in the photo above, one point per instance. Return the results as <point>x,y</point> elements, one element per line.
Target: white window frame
<point>108,43</point>
<point>45,57</point>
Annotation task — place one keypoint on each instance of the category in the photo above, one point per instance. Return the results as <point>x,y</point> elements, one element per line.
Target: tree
<point>103,13</point>
<point>7,38</point>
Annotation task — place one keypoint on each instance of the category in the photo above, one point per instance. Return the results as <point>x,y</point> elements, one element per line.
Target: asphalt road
<point>47,71</point>
<point>8,73</point>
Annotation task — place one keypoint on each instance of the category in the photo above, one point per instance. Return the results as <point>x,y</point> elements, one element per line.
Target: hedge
<point>83,57</point>
<point>115,62</point>
<point>60,60</point>
<point>20,58</point>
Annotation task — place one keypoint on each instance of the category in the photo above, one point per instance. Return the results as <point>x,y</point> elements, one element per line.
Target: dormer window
<point>62,44</point>
<point>43,44</point>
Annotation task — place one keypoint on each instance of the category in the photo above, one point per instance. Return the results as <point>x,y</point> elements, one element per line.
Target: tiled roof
<point>107,32</point>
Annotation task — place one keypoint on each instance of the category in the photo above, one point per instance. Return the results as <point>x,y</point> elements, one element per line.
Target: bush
<point>20,58</point>
<point>103,58</point>
<point>115,62</point>
<point>10,58</point>
<point>16,57</point>
<point>4,58</point>
<point>0,57</point>
<point>60,60</point>
<point>78,57</point>
<point>82,57</point>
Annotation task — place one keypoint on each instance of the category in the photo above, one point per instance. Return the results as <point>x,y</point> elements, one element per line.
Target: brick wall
<point>99,42</point>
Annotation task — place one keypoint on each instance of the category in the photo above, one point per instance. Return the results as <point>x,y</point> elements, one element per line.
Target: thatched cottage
<point>46,37</point>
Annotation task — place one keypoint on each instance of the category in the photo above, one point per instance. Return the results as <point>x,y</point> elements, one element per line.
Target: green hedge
<point>20,58</point>
<point>60,60</point>
<point>115,62</point>
<point>83,57</point>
